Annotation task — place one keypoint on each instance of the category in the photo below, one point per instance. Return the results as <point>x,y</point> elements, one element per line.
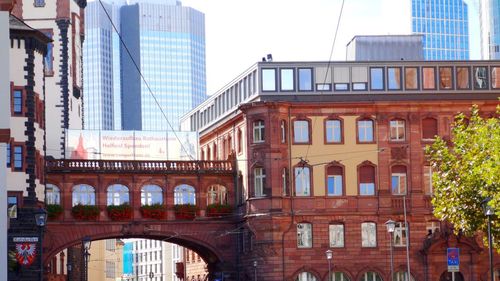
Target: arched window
<point>151,194</point>
<point>370,276</point>
<point>402,276</point>
<point>338,276</point>
<point>335,180</point>
<point>306,276</point>
<point>83,194</point>
<point>184,194</point>
<point>217,194</point>
<point>367,180</point>
<point>365,131</point>
<point>52,194</point>
<point>117,195</point>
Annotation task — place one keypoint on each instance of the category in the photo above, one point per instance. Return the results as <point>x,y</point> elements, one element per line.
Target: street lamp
<point>489,212</point>
<point>85,252</point>
<point>391,226</point>
<point>329,257</point>
<point>41,220</point>
<point>255,270</point>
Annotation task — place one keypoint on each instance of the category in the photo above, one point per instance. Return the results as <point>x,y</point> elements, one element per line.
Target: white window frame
<point>336,235</point>
<point>304,235</point>
<point>302,181</point>
<point>333,125</point>
<point>217,194</point>
<point>370,276</point>
<point>148,193</point>
<point>85,195</point>
<point>399,190</point>
<point>184,194</point>
<point>52,194</point>
<point>117,194</point>
<point>335,187</point>
<point>400,235</point>
<point>284,180</point>
<point>397,130</point>
<point>259,131</point>
<point>301,131</point>
<point>338,276</point>
<point>259,181</point>
<point>428,188</point>
<point>368,235</point>
<point>365,126</point>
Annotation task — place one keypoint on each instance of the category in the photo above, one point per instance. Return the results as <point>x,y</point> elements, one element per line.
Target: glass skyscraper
<point>444,24</point>
<point>490,29</point>
<point>167,42</point>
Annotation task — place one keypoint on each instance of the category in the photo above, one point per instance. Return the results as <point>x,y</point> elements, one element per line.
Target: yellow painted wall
<point>350,154</point>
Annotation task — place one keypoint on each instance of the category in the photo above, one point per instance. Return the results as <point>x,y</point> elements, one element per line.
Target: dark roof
<point>17,26</point>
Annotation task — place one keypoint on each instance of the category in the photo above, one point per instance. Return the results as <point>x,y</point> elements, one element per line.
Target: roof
<point>17,26</point>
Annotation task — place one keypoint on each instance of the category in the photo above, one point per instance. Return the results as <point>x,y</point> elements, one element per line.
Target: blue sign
<point>453,257</point>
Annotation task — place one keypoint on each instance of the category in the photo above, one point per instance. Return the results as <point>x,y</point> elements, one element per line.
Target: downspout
<point>291,197</point>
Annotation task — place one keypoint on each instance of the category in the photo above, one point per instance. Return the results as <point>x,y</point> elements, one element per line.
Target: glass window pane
<point>341,87</point>
<point>411,78</point>
<point>304,235</point>
<point>333,131</point>
<point>365,130</point>
<point>445,79</point>
<point>336,232</point>
<point>368,234</point>
<point>394,78</point>
<point>286,81</point>
<point>359,86</point>
<point>302,181</point>
<point>481,77</point>
<point>377,78</point>
<point>367,188</point>
<point>323,87</point>
<point>463,78</point>
<point>301,131</point>
<point>429,78</point>
<point>305,79</point>
<point>268,79</point>
<point>495,77</point>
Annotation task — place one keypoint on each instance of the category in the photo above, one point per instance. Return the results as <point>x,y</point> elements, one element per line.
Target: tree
<point>466,171</point>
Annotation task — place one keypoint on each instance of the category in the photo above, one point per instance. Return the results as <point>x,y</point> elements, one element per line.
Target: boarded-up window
<point>429,128</point>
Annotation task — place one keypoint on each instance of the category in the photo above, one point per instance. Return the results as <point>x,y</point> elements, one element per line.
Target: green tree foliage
<point>466,171</point>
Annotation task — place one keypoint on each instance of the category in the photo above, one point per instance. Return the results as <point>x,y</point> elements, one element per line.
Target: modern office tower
<point>167,43</point>
<point>101,67</point>
<point>444,24</point>
<point>490,29</point>
<point>385,47</point>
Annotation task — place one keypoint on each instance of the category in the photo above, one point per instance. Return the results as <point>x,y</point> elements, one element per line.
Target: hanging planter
<point>85,212</point>
<point>121,212</point>
<point>185,211</point>
<point>216,210</point>
<point>155,211</point>
<point>54,211</point>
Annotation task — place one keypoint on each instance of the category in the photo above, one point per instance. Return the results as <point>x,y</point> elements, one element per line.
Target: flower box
<point>185,211</point>
<point>121,212</point>
<point>216,210</point>
<point>53,211</point>
<point>155,211</point>
<point>85,212</point>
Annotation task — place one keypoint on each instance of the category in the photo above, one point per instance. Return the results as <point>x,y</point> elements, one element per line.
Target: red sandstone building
<point>328,152</point>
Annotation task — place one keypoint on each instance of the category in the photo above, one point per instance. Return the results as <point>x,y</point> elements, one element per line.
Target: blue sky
<point>240,32</point>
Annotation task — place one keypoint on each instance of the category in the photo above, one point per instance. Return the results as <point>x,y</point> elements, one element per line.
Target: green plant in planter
<point>121,212</point>
<point>156,211</point>
<point>215,210</point>
<point>85,212</point>
<point>185,211</point>
<point>53,211</point>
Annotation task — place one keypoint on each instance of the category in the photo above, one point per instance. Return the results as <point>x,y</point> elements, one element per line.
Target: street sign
<point>453,257</point>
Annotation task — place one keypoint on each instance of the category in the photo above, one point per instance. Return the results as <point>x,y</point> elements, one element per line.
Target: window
<point>17,101</point>
<point>240,140</point>
<point>432,227</point>
<point>110,269</point>
<point>217,194</point>
<point>18,157</point>
<point>368,234</point>
<point>399,235</point>
<point>304,235</point>
<point>306,276</point>
<point>336,233</point>
<point>411,78</point>
<point>12,205</point>
<point>334,180</point>
<point>83,194</point>
<point>302,181</point>
<point>117,195</point>
<point>39,3</point>
<point>394,78</point>
<point>376,78</point>
<point>402,276</point>
<point>445,78</point>
<point>301,131</point>
<point>305,79</point>
<point>429,78</point>
<point>429,128</point>
<point>258,131</point>
<point>340,87</point>
<point>49,58</point>
<point>367,180</point>
<point>284,181</point>
<point>52,194</point>
<point>333,131</point>
<point>323,87</point>
<point>398,180</point>
<point>184,194</point>
<point>427,175</point>
<point>365,130</point>
<point>268,80</point>
<point>8,156</point>
<point>370,276</point>
<point>480,77</point>
<point>397,130</point>
<point>495,77</point>
<point>463,78</point>
<point>283,131</point>
<point>287,79</point>
<point>259,181</point>
<point>151,194</point>
<point>338,276</point>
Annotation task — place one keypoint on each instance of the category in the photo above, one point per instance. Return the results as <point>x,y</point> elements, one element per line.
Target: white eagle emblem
<point>25,253</point>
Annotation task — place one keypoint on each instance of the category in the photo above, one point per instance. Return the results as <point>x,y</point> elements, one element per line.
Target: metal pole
<point>41,253</point>
<point>329,270</point>
<point>392,257</point>
<point>407,240</point>
<point>492,276</point>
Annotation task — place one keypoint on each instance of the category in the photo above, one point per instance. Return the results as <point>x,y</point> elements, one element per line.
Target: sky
<point>240,32</point>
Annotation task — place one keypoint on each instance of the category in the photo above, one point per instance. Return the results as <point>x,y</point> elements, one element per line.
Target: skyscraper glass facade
<point>167,41</point>
<point>490,29</point>
<point>444,24</point>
